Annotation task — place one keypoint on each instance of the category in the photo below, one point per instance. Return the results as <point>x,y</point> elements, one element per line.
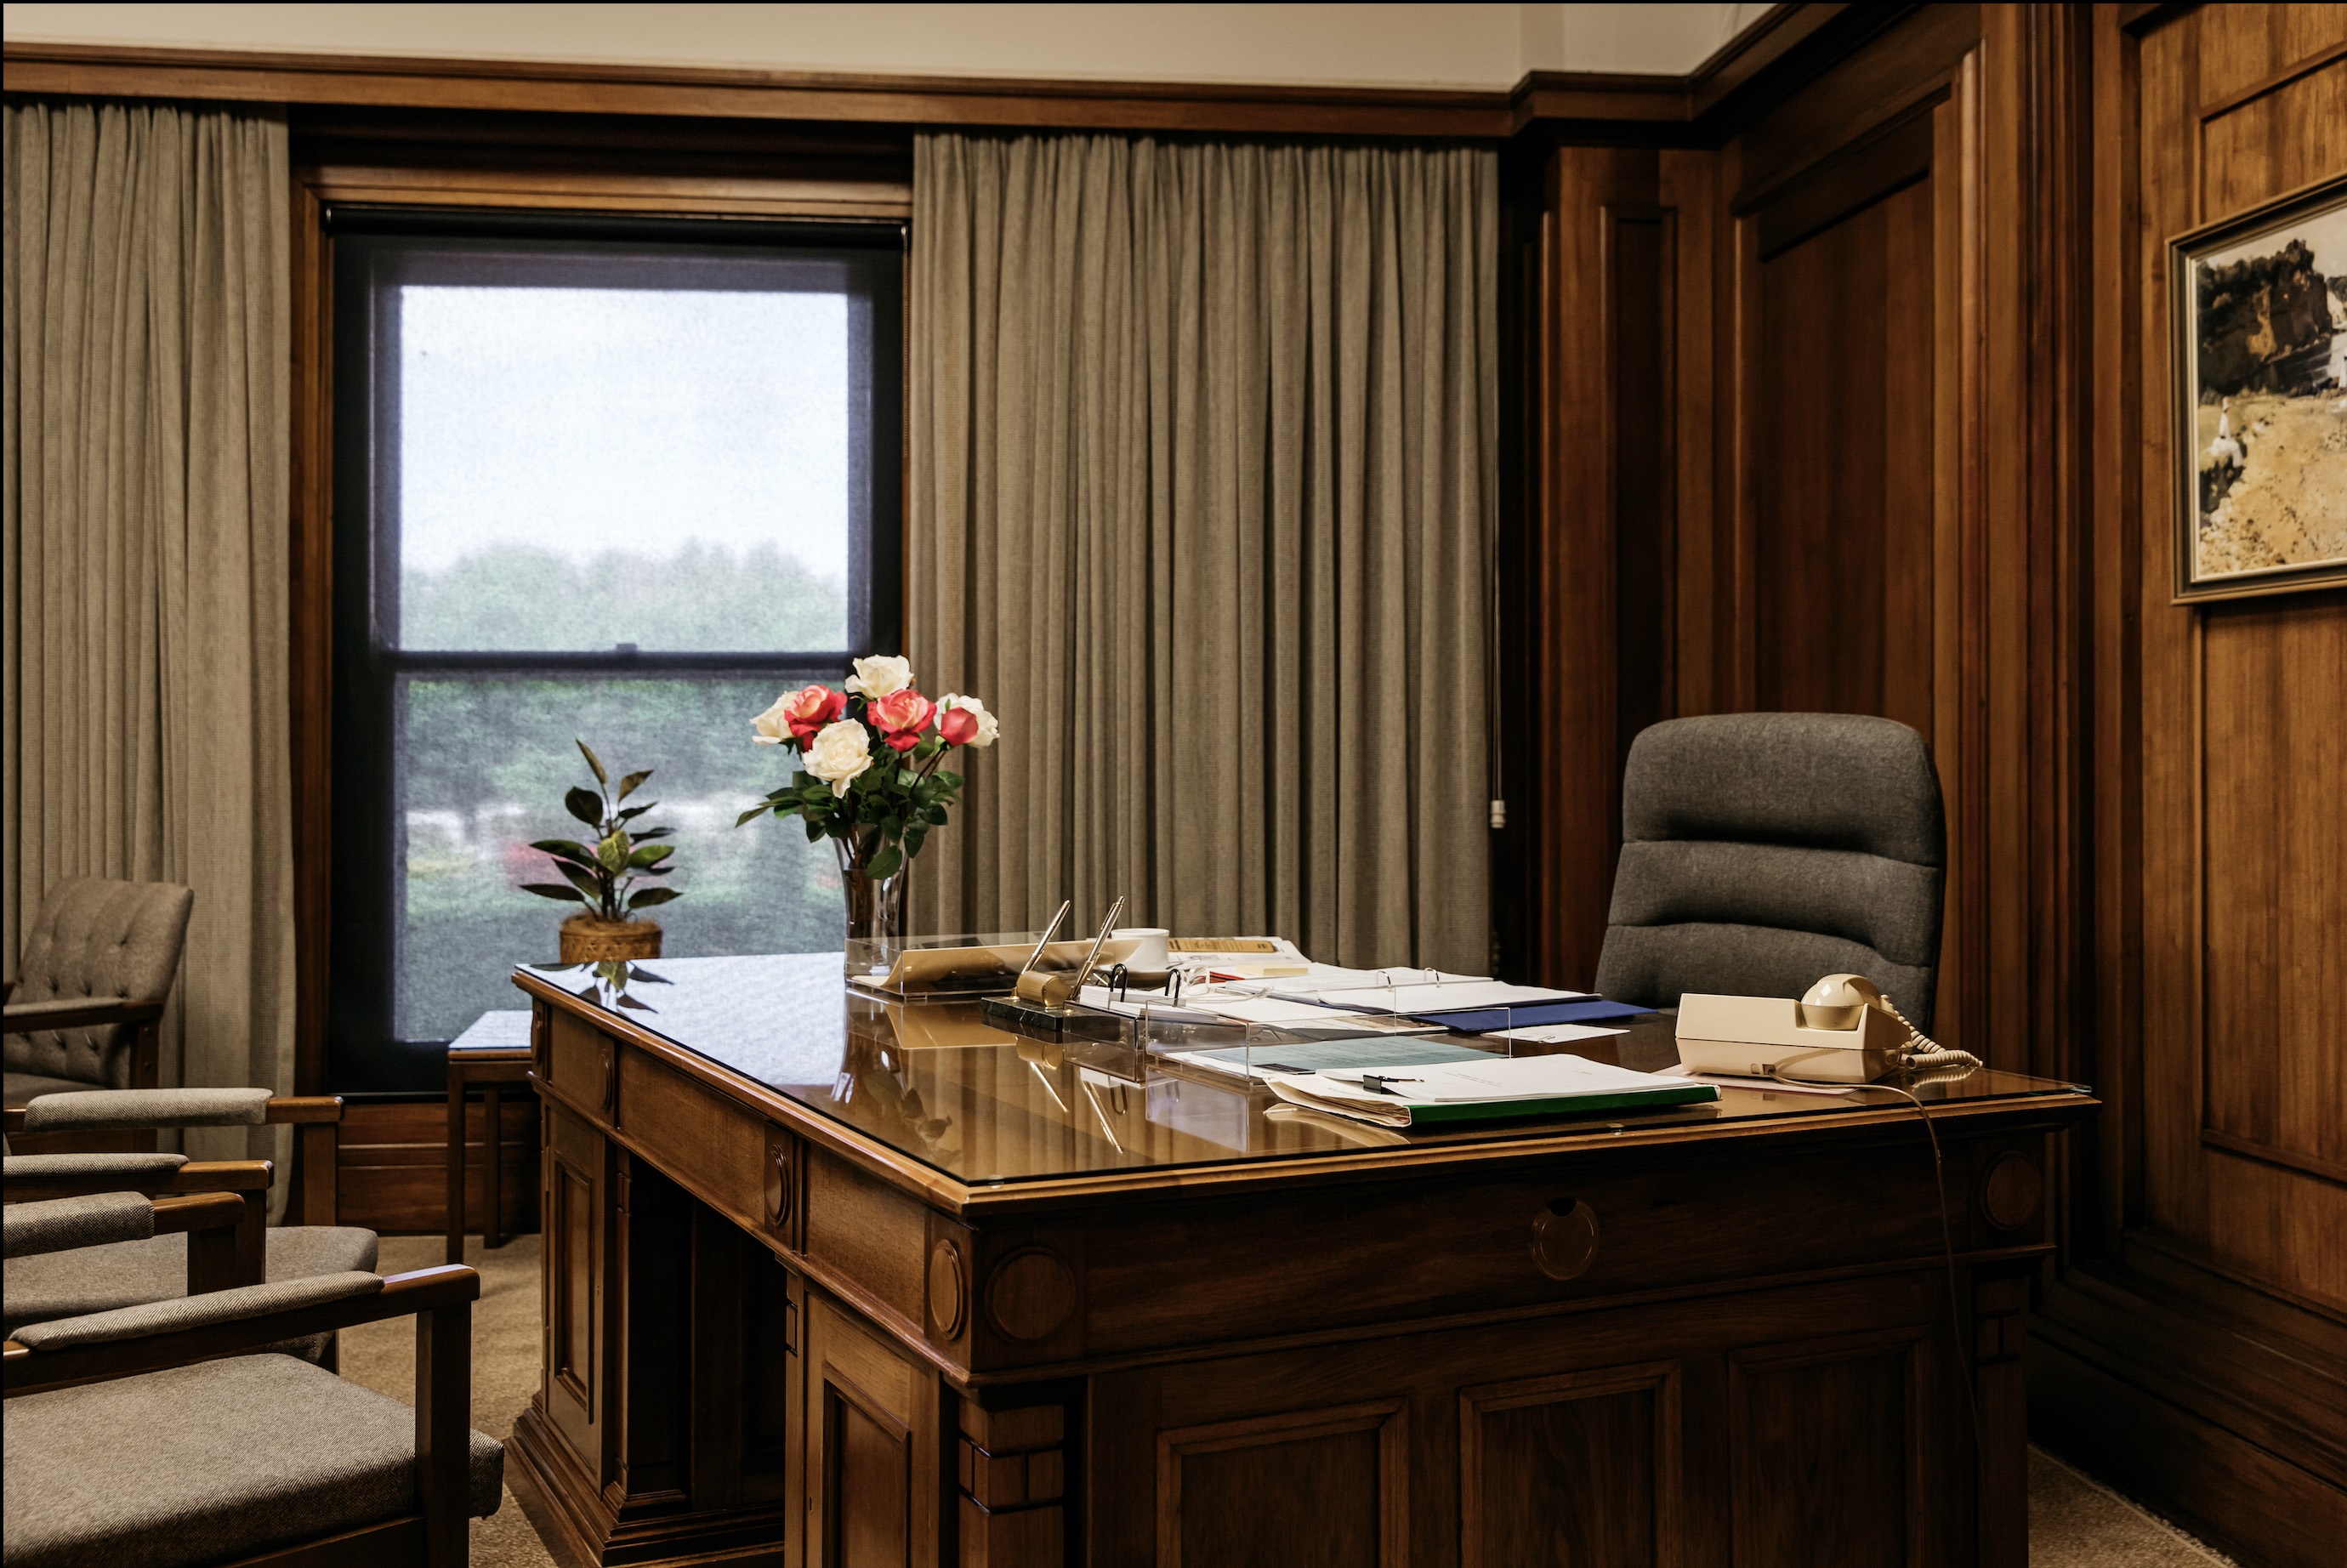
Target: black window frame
<point>375,249</point>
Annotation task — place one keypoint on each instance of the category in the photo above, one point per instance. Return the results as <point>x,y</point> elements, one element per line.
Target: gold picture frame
<point>2259,443</point>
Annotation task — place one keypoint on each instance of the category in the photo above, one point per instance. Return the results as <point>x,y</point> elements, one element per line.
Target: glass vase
<point>875,908</point>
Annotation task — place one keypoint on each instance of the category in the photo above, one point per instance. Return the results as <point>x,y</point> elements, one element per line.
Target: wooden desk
<point>490,1069</point>
<point>831,1282</point>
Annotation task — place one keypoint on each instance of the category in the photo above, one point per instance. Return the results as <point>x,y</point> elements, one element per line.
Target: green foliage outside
<point>523,598</point>
<point>485,762</point>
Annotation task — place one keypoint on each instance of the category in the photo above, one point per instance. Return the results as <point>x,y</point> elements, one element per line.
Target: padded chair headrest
<point>1827,780</point>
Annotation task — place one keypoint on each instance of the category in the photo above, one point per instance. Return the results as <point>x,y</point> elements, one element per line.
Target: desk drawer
<point>581,1063</point>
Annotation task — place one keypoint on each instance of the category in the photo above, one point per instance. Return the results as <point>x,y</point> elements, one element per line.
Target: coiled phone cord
<point>1926,1060</point>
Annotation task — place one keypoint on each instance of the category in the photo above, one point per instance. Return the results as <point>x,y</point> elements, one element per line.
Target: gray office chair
<point>90,985</point>
<point>1762,851</point>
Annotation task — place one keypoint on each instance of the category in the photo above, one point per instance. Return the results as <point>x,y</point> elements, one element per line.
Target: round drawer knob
<point>2012,1191</point>
<point>947,1288</point>
<point>1030,1294</point>
<point>1564,1238</point>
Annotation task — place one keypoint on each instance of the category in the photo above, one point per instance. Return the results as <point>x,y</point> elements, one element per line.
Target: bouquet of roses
<point>870,752</point>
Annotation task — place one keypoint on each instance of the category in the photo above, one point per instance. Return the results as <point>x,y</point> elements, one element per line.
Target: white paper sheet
<point>1555,1033</point>
<point>1452,996</point>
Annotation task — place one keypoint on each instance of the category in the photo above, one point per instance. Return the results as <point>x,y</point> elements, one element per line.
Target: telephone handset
<point>1837,1001</point>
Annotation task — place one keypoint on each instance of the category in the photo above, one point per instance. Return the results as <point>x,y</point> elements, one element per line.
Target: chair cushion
<point>127,1274</point>
<point>197,1464</point>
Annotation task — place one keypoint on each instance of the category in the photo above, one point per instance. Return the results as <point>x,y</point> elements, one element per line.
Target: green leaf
<point>585,804</point>
<point>933,814</point>
<point>648,897</point>
<point>613,853</point>
<point>815,830</point>
<point>884,864</point>
<point>628,785</point>
<point>565,849</point>
<point>947,781</point>
<point>893,825</point>
<point>587,882</point>
<point>594,761</point>
<point>646,855</point>
<point>754,811</point>
<point>554,890</point>
<point>649,833</point>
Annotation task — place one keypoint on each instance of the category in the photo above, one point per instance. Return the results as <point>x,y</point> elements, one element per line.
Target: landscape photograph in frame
<point>2261,388</point>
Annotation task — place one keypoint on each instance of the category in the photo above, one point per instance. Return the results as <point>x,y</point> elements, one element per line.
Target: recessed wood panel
<point>1842,467</point>
<point>2277,903</point>
<point>1825,1440</point>
<point>873,1469</point>
<point>1327,1487</point>
<point>1580,1468</point>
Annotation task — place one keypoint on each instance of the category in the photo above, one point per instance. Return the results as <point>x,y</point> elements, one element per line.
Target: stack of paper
<point>1486,1091</point>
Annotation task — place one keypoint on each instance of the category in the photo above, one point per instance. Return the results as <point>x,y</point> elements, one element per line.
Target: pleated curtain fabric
<point>146,361</point>
<point>1201,501</point>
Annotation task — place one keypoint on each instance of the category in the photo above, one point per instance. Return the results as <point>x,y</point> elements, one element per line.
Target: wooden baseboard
<point>585,1529</point>
<point>2200,1407</point>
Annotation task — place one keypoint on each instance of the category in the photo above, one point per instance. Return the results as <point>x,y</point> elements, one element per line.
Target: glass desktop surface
<point>937,1082</point>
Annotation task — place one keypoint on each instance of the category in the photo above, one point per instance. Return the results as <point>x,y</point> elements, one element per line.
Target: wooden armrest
<point>27,1371</point>
<point>27,1018</point>
<point>195,1177</point>
<point>305,1108</point>
<point>186,1212</point>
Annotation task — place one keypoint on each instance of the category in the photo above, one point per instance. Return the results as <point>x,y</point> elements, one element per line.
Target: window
<point>622,482</point>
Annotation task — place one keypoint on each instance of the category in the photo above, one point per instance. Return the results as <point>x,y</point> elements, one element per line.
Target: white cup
<point>1152,946</point>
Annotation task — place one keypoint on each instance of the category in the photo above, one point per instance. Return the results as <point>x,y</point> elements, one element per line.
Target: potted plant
<point>603,875</point>
<point>868,779</point>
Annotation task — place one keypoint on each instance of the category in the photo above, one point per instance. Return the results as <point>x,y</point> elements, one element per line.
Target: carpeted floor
<point>2073,1522</point>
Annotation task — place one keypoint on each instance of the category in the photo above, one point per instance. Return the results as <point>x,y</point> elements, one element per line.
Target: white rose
<point>989,726</point>
<point>841,751</point>
<point>877,676</point>
<point>773,725</point>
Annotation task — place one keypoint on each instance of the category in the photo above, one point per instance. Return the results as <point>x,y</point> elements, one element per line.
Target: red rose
<point>810,708</point>
<point>957,725</point>
<point>900,717</point>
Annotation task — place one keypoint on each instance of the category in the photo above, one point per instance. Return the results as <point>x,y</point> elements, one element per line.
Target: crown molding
<point>1785,46</point>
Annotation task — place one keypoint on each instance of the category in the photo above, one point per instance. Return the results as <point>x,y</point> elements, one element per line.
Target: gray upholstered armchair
<point>155,1435</point>
<point>90,986</point>
<point>132,1272</point>
<point>1762,851</point>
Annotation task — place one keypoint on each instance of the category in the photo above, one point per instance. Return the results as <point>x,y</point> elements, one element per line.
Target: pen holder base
<point>1042,1020</point>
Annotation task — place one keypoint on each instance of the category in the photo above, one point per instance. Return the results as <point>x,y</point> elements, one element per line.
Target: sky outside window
<point>584,467</point>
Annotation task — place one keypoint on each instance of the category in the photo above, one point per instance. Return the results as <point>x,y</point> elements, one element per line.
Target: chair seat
<point>21,1087</point>
<point>131,1273</point>
<point>199,1464</point>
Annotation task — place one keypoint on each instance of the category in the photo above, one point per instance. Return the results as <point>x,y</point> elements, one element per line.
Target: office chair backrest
<point>97,938</point>
<point>1762,851</point>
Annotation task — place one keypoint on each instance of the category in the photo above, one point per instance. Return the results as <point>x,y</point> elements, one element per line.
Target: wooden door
<point>873,1448</point>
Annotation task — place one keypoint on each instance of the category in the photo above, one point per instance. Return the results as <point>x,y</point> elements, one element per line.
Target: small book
<point>1495,1088</point>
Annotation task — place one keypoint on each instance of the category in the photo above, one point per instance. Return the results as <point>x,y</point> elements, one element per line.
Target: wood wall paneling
<point>2196,1351</point>
<point>392,1166</point>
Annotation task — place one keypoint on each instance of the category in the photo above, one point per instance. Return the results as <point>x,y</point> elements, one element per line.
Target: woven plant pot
<point>588,940</point>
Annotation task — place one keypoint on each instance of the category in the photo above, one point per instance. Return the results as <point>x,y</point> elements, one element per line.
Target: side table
<point>494,1053</point>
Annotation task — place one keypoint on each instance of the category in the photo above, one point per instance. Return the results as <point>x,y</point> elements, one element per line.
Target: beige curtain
<point>1201,494</point>
<point>145,540</point>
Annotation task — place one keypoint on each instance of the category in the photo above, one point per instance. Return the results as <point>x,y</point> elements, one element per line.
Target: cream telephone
<point>1845,1030</point>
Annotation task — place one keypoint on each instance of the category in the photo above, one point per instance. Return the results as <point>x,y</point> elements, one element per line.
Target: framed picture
<point>2261,395</point>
